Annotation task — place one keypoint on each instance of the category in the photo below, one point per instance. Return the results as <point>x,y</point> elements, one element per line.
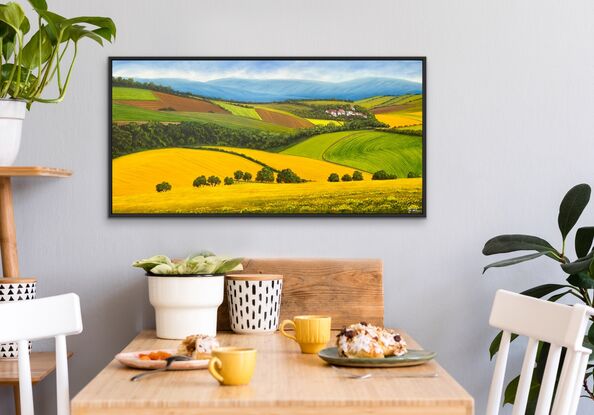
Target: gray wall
<point>510,103</point>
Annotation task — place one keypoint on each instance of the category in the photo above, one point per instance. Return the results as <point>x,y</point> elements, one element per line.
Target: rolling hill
<point>257,90</point>
<point>368,151</point>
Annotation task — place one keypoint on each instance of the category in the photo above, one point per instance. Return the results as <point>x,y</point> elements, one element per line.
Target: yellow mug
<point>232,365</point>
<point>311,332</point>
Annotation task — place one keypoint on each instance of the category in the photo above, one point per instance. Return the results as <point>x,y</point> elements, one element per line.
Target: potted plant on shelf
<point>187,293</point>
<point>578,282</point>
<point>29,62</point>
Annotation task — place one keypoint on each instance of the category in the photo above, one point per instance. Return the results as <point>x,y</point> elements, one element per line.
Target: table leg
<point>8,244</point>
<point>16,393</point>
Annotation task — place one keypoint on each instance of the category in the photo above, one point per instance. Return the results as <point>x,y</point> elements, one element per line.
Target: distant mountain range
<point>256,90</point>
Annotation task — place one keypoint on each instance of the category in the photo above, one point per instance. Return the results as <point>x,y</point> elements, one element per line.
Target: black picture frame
<point>423,214</point>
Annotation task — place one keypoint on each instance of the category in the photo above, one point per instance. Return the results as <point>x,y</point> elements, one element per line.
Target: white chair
<point>560,325</point>
<point>22,321</point>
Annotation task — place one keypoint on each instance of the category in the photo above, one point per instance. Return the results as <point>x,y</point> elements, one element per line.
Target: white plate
<point>131,359</point>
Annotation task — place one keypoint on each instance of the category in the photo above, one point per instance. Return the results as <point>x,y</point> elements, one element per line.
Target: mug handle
<point>214,365</point>
<point>282,329</point>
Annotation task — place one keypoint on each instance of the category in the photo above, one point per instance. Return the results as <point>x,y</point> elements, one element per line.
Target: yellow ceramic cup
<point>232,365</point>
<point>311,332</point>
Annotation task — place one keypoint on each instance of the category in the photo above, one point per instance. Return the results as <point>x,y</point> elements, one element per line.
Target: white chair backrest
<point>560,325</point>
<point>57,317</point>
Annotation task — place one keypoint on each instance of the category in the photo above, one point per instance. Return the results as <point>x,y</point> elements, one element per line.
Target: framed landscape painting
<point>267,136</point>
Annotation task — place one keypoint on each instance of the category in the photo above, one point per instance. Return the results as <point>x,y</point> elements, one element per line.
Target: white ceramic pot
<point>186,305</point>
<point>254,302</point>
<point>12,114</point>
<point>15,289</point>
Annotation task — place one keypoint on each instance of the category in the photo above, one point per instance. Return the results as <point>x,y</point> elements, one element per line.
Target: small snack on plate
<point>159,355</point>
<point>198,346</point>
<point>366,340</point>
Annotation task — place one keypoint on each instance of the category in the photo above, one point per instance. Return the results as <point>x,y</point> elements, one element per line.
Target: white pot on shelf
<point>12,114</point>
<point>186,305</point>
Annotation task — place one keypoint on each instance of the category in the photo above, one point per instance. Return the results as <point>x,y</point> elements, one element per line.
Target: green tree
<point>333,177</point>
<point>238,175</point>
<point>247,176</point>
<point>200,181</point>
<point>163,187</point>
<point>228,181</point>
<point>214,180</point>
<point>288,176</point>
<point>346,178</point>
<point>357,176</point>
<point>382,175</point>
<point>412,175</point>
<point>265,175</point>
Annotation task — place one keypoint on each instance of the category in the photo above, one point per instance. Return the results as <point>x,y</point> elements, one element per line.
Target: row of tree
<point>355,177</point>
<point>265,175</point>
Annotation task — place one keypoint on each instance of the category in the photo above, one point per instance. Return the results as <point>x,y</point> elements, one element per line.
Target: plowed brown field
<point>282,119</point>
<point>177,103</point>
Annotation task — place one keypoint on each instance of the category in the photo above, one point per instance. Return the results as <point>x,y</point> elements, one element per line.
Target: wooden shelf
<point>13,171</point>
<point>42,364</point>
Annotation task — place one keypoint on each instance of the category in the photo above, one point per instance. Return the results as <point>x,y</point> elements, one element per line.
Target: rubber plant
<point>578,280</point>
<point>28,66</point>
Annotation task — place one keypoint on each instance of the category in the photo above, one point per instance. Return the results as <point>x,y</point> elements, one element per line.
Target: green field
<point>316,146</point>
<point>122,112</point>
<point>373,102</point>
<point>238,110</point>
<point>369,151</point>
<point>135,94</point>
<point>414,101</point>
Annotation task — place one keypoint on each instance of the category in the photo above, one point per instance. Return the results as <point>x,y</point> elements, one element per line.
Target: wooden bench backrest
<point>348,290</point>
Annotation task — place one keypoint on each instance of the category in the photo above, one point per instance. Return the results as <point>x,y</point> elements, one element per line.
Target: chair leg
<point>16,393</point>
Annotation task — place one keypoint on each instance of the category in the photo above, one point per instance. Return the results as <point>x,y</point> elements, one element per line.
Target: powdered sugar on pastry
<point>198,346</point>
<point>366,340</point>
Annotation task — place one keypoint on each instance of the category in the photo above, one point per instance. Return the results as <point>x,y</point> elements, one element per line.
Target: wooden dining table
<point>285,382</point>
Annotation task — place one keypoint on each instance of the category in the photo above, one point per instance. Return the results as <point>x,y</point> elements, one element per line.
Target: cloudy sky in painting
<point>329,71</point>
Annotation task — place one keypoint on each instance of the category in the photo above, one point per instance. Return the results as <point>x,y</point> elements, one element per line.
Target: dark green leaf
<point>494,347</point>
<point>513,261</point>
<point>583,240</point>
<point>509,243</point>
<point>512,388</point>
<point>557,297</point>
<point>542,290</point>
<point>581,280</point>
<point>591,335</point>
<point>579,265</point>
<point>572,206</point>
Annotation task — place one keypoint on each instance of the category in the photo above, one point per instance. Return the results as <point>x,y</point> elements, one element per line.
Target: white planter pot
<point>15,289</point>
<point>12,114</point>
<point>186,305</point>
<point>254,302</point>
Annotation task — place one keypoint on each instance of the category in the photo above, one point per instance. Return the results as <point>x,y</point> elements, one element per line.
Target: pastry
<point>366,340</point>
<point>198,346</point>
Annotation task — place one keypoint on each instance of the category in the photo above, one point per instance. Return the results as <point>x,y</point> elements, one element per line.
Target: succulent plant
<point>202,263</point>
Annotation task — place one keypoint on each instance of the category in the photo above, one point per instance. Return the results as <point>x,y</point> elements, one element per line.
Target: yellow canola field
<point>394,119</point>
<point>379,197</point>
<point>316,121</point>
<point>306,168</point>
<point>140,172</point>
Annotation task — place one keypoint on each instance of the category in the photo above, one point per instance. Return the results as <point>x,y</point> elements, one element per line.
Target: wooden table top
<point>42,364</point>
<point>285,381</point>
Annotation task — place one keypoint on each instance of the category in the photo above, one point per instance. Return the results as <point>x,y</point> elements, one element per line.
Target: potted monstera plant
<point>577,283</point>
<point>32,61</point>
<point>187,293</point>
